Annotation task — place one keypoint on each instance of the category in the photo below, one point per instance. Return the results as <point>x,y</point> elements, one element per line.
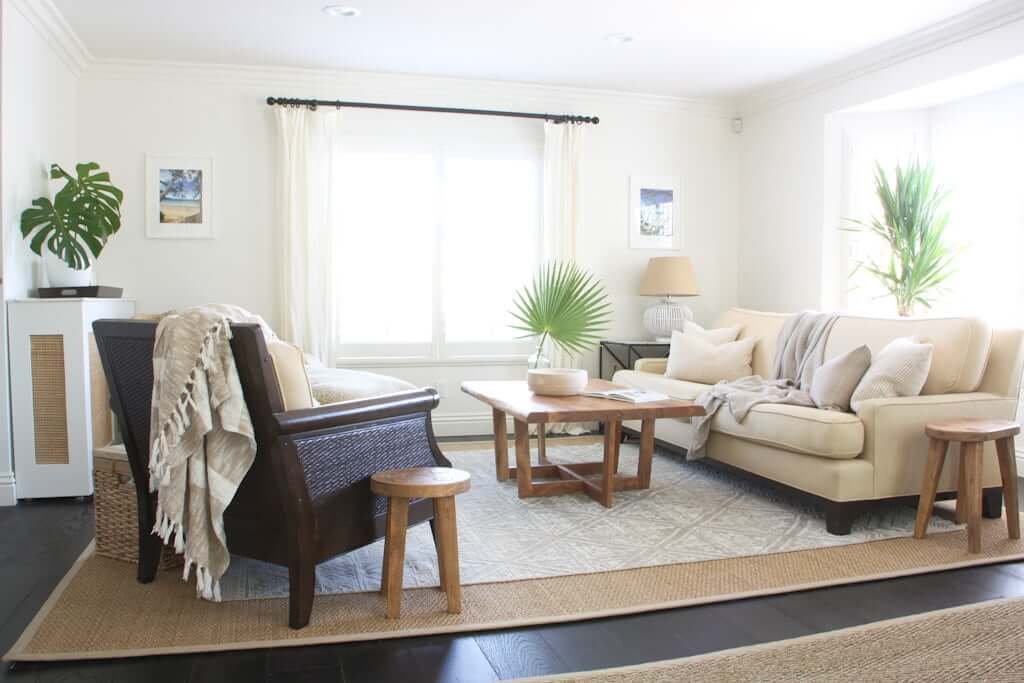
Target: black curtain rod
<point>313,104</point>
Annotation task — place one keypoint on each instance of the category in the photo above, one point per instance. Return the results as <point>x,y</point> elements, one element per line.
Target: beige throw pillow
<point>835,381</point>
<point>900,369</point>
<point>694,360</point>
<point>721,335</point>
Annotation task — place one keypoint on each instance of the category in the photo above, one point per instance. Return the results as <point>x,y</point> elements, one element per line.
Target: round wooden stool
<point>971,434</point>
<point>441,484</point>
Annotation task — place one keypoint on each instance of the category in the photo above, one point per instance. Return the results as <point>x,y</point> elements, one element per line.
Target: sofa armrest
<point>655,366</point>
<point>895,441</point>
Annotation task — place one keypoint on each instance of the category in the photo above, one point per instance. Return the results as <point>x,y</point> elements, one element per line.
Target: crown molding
<point>51,25</point>
<point>981,19</point>
<point>424,89</point>
<point>330,83</point>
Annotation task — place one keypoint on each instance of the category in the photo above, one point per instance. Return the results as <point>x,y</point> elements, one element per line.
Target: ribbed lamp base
<point>662,318</point>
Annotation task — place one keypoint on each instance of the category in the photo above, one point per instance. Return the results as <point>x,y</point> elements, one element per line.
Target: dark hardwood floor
<point>40,540</point>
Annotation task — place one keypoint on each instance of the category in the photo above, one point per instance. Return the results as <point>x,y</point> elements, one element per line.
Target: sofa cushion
<point>695,360</point>
<point>835,381</point>
<point>900,369</point>
<point>824,433</point>
<point>961,346</point>
<point>812,431</point>
<point>334,385</point>
<point>719,335</point>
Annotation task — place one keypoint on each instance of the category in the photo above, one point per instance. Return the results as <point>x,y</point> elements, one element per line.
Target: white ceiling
<point>694,48</point>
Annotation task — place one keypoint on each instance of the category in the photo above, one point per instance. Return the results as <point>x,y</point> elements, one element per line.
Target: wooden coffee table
<point>599,480</point>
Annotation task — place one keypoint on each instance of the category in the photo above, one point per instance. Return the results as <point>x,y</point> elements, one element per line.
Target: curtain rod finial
<point>271,101</point>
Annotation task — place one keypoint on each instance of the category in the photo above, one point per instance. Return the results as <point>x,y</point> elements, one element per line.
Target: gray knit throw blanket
<point>202,441</point>
<point>799,352</point>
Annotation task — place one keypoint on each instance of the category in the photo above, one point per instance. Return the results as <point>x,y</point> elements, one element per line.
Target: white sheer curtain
<point>563,214</point>
<point>308,172</point>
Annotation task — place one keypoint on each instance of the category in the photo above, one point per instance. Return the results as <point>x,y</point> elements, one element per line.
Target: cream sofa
<point>848,459</point>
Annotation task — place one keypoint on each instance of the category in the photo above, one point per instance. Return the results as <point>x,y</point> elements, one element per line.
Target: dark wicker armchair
<point>307,496</point>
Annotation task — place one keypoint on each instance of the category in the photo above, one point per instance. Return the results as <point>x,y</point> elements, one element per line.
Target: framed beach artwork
<point>179,197</point>
<point>655,215</point>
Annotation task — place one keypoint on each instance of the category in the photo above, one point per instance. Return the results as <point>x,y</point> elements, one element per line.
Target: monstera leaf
<point>79,220</point>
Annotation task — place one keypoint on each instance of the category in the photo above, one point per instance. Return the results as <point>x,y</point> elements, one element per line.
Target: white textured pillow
<point>694,360</point>
<point>720,335</point>
<point>900,369</point>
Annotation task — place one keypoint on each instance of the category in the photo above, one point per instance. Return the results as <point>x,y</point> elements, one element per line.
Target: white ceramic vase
<point>58,274</point>
<point>556,381</point>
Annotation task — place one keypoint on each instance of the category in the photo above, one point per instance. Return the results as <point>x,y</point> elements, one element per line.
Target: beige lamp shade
<point>669,276</point>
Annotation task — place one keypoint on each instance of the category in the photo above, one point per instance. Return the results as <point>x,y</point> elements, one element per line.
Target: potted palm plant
<point>75,226</point>
<point>913,225</point>
<point>566,306</point>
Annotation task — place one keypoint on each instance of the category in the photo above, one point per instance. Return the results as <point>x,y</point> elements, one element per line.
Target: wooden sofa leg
<point>301,582</point>
<point>992,503</point>
<point>839,517</point>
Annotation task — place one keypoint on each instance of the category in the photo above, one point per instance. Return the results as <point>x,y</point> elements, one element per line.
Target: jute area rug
<point>983,642</point>
<point>719,540</point>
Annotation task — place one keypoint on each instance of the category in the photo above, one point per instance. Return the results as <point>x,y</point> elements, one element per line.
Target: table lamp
<point>666,277</point>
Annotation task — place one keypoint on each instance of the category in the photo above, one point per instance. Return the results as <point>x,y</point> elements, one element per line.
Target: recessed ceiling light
<point>341,11</point>
<point>619,38</point>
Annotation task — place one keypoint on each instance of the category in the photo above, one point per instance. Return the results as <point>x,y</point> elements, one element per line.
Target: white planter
<point>59,275</point>
<point>556,381</point>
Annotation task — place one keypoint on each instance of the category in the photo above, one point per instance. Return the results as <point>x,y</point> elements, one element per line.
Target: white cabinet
<point>59,405</point>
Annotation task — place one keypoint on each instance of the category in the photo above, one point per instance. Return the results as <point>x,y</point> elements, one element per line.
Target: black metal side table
<point>615,355</point>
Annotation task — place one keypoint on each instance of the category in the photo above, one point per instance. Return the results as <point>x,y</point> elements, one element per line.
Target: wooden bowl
<point>556,381</point>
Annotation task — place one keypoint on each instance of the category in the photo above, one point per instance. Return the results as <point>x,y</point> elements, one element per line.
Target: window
<point>975,144</point>
<point>431,244</point>
<point>889,139</point>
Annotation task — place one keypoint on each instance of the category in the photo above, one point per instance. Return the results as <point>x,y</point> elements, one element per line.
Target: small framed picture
<point>655,216</point>
<point>179,193</point>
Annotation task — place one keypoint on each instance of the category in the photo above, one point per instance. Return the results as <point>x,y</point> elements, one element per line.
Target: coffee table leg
<point>643,471</point>
<point>524,471</point>
<point>542,450</point>
<point>611,458</point>
<point>500,445</point>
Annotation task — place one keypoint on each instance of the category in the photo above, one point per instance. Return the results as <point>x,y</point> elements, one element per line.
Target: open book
<point>628,395</point>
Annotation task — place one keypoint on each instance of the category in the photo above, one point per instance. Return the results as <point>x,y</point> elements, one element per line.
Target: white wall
<point>38,111</point>
<point>128,111</point>
<point>977,144</point>
<point>786,229</point>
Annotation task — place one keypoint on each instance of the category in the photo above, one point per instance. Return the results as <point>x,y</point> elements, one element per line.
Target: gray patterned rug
<point>692,512</point>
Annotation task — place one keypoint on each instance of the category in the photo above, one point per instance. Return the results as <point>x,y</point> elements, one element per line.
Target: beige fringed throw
<point>202,439</point>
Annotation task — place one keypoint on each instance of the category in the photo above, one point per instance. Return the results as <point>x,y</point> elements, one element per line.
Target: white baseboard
<point>463,424</point>
<point>8,496</point>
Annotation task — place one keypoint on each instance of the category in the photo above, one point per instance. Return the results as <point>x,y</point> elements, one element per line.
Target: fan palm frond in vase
<point>565,304</point>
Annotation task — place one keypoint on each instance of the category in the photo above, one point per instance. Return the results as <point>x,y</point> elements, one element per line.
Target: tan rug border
<point>15,654</point>
<point>758,647</point>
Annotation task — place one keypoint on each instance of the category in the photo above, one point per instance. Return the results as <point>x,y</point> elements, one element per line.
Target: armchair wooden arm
<point>352,412</point>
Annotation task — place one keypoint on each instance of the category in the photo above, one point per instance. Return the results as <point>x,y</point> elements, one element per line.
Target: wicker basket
<point>116,520</point>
